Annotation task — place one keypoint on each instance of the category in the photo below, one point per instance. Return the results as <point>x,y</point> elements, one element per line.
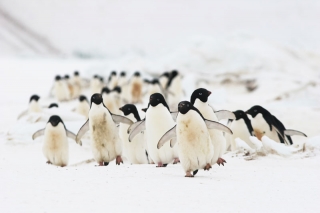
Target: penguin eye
<point>200,93</point>
<point>129,109</point>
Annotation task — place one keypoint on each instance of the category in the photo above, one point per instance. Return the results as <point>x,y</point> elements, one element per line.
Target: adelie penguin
<point>56,146</point>
<point>241,128</point>
<point>60,89</point>
<point>111,99</point>
<point>199,99</point>
<point>193,138</point>
<point>264,123</point>
<point>113,80</point>
<point>163,79</point>
<point>34,106</point>
<point>83,106</point>
<point>76,81</point>
<point>135,88</point>
<point>136,150</point>
<point>105,141</point>
<point>96,84</point>
<point>158,121</point>
<point>174,89</point>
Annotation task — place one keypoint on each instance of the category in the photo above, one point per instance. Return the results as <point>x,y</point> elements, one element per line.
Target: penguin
<point>135,88</point>
<point>95,84</point>
<point>113,80</point>
<point>34,106</point>
<point>124,85</point>
<point>105,141</point>
<point>174,89</point>
<point>77,84</point>
<point>69,86</point>
<point>193,138</point>
<point>199,99</point>
<point>55,147</point>
<point>154,86</point>
<point>60,89</point>
<point>158,121</point>
<point>264,123</point>
<point>135,151</point>
<point>109,100</point>
<point>241,128</point>
<point>83,107</point>
<point>53,105</point>
<point>163,79</point>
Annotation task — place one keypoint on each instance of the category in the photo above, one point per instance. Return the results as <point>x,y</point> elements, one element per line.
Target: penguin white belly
<point>158,122</point>
<point>34,106</point>
<point>56,146</point>
<point>240,130</point>
<point>106,145</point>
<point>218,140</point>
<point>136,90</point>
<point>95,86</point>
<point>177,93</point>
<point>60,91</point>
<point>134,151</point>
<point>83,109</point>
<point>195,147</point>
<point>261,128</point>
<point>110,103</point>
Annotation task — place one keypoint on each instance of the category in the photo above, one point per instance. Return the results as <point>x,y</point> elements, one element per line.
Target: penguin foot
<point>176,160</point>
<point>100,163</point>
<point>105,163</point>
<point>119,160</point>
<point>195,172</point>
<point>188,174</point>
<point>221,161</point>
<point>207,167</point>
<point>162,165</point>
<point>48,162</point>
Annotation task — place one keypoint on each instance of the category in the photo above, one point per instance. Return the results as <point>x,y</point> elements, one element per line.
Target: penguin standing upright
<point>163,79</point>
<point>77,84</point>
<point>136,150</point>
<point>199,99</point>
<point>264,123</point>
<point>174,89</point>
<point>55,146</point>
<point>105,141</point>
<point>69,86</point>
<point>95,84</point>
<point>60,89</point>
<point>193,138</point>
<point>113,80</point>
<point>135,88</point>
<point>109,100</point>
<point>123,83</point>
<point>83,106</point>
<point>154,86</point>
<point>158,120</point>
<point>34,106</point>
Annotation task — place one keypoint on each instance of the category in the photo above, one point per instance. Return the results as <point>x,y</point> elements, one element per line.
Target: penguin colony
<point>173,130</point>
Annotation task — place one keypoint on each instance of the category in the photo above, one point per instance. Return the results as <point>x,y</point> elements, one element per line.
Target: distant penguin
<point>55,146</point>
<point>264,123</point>
<point>83,106</point>
<point>34,106</point>
<point>53,105</point>
<point>109,100</point>
<point>113,80</point>
<point>60,89</point>
<point>77,84</point>
<point>199,99</point>
<point>135,151</point>
<point>135,88</point>
<point>116,93</point>
<point>154,86</point>
<point>124,84</point>
<point>174,89</point>
<point>241,128</point>
<point>96,84</point>
<point>193,138</point>
<point>157,122</point>
<point>163,79</point>
<point>105,141</point>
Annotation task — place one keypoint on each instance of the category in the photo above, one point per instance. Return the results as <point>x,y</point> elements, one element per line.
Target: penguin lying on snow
<point>136,150</point>
<point>157,121</point>
<point>264,123</point>
<point>56,147</point>
<point>106,144</point>
<point>194,143</point>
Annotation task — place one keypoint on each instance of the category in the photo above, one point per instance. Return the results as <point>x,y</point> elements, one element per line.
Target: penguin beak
<point>209,93</point>
<point>120,108</point>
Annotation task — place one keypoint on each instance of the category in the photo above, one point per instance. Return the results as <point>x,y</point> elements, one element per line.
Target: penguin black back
<point>202,94</point>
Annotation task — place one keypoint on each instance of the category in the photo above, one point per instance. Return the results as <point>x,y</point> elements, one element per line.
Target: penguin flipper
<point>173,141</point>
<point>292,132</point>
<point>82,131</point>
<point>139,128</point>
<point>174,115</point>
<point>121,119</point>
<point>216,125</point>
<point>22,114</point>
<point>38,134</point>
<point>73,136</point>
<point>281,135</point>
<point>170,134</point>
<point>225,114</point>
<point>133,126</point>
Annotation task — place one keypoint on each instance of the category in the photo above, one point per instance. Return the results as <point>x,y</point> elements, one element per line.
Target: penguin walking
<point>174,89</point>
<point>105,141</point>
<point>55,146</point>
<point>199,99</point>
<point>113,80</point>
<point>136,150</point>
<point>264,123</point>
<point>34,106</point>
<point>110,99</point>
<point>60,89</point>
<point>158,121</point>
<point>241,128</point>
<point>193,138</point>
<point>135,88</point>
<point>83,107</point>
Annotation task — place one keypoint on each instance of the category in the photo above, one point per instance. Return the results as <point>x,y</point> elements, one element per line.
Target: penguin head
<point>123,74</point>
<point>83,98</point>
<point>154,81</point>
<point>34,97</point>
<point>53,105</point>
<point>136,74</point>
<point>201,94</point>
<point>66,77</point>
<point>130,108</point>
<point>76,73</point>
<point>165,74</point>
<point>240,114</point>
<point>253,111</point>
<point>157,98</point>
<point>58,78</point>
<point>101,79</point>
<point>147,81</point>
<point>105,90</point>
<point>95,76</point>
<point>117,89</point>
<point>96,98</point>
<point>113,73</point>
<point>54,120</point>
<point>184,107</point>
